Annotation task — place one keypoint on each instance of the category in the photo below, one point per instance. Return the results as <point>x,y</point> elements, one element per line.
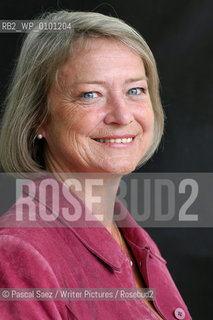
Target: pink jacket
<point>61,254</point>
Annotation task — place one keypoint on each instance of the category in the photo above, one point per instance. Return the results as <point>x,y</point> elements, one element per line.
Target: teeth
<point>124,140</point>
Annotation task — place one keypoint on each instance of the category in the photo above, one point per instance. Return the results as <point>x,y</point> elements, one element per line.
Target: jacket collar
<point>89,230</point>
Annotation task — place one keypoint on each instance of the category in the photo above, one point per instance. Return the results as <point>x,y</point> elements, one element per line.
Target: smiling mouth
<point>115,140</point>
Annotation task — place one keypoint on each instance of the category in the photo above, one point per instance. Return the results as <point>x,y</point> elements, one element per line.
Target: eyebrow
<point>104,82</point>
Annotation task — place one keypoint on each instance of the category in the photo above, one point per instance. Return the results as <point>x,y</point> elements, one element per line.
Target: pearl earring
<point>39,136</point>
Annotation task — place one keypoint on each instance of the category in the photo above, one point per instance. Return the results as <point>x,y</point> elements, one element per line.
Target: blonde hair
<point>42,53</point>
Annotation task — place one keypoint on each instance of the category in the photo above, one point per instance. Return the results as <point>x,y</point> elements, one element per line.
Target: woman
<point>83,109</point>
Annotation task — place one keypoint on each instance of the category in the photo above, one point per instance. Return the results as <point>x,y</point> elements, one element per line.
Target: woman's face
<point>101,117</point>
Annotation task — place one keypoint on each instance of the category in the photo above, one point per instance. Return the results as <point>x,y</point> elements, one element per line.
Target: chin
<point>121,168</point>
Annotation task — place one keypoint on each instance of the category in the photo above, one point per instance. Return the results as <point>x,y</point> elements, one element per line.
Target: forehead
<point>100,45</point>
<point>101,56</point>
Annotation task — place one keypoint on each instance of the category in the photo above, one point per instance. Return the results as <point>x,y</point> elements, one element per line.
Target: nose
<point>118,112</point>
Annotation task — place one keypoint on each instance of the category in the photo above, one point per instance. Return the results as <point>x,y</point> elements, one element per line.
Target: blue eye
<point>135,91</point>
<point>90,95</point>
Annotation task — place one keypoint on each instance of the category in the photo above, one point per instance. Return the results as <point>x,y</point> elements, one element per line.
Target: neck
<point>97,190</point>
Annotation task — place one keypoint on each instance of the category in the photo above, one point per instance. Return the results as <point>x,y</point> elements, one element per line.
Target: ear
<point>40,133</point>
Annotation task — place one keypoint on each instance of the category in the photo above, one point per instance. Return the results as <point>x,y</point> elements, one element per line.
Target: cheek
<point>86,120</point>
<point>151,119</point>
<point>146,119</point>
<point>64,120</point>
<point>75,126</point>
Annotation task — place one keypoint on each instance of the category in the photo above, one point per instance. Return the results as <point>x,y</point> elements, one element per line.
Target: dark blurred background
<point>179,33</point>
